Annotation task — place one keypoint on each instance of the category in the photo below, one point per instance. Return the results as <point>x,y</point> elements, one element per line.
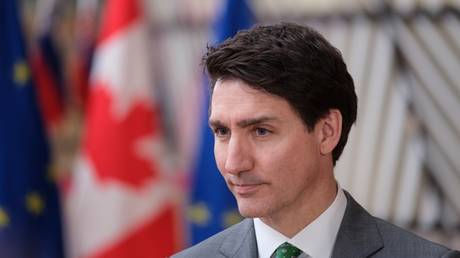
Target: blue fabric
<point>213,207</point>
<point>30,224</point>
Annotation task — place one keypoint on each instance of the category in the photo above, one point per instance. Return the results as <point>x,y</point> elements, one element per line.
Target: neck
<point>311,204</point>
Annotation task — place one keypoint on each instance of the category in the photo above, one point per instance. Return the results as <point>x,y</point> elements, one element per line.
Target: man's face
<point>263,150</point>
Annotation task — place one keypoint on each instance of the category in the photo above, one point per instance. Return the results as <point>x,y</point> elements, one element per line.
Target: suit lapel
<point>358,235</point>
<point>241,242</point>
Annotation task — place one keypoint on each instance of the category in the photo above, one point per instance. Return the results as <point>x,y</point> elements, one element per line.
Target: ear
<point>329,131</point>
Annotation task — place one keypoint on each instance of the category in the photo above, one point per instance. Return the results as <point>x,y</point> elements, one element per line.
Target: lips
<point>245,189</point>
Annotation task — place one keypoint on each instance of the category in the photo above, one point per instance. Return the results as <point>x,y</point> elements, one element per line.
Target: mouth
<point>245,189</point>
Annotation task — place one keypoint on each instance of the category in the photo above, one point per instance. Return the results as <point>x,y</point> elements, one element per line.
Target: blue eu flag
<point>30,224</point>
<point>213,207</point>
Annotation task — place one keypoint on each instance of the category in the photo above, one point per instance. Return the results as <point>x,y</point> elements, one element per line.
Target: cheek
<point>290,163</point>
<point>278,163</point>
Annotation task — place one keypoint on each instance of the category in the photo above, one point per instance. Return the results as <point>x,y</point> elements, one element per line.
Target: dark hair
<point>291,61</point>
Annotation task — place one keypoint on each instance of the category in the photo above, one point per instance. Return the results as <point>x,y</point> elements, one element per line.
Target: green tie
<point>287,250</point>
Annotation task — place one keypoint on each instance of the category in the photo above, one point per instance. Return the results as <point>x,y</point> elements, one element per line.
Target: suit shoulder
<point>400,240</point>
<point>210,247</point>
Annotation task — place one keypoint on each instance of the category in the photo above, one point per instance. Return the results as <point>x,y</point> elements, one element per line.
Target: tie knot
<point>287,250</point>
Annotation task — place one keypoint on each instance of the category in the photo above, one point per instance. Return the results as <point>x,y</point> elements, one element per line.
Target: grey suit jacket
<point>360,235</point>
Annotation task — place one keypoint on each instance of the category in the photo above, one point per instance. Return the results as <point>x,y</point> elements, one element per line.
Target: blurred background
<point>104,145</point>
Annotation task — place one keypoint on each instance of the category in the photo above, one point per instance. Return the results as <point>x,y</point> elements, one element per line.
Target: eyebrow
<point>245,122</point>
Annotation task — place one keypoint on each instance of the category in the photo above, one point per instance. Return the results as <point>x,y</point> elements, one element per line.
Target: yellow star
<point>35,203</point>
<point>230,218</point>
<point>4,218</point>
<point>199,214</point>
<point>21,73</point>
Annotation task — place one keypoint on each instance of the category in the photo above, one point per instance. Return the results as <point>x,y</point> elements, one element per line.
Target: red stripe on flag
<point>154,239</point>
<point>118,14</point>
<point>79,74</point>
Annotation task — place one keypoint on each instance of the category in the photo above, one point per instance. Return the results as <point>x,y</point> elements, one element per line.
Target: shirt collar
<point>267,238</point>
<point>317,239</point>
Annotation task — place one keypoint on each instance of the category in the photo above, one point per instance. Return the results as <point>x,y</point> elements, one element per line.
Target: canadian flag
<point>123,199</point>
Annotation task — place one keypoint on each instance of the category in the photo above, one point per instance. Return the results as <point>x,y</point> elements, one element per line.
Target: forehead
<point>236,100</point>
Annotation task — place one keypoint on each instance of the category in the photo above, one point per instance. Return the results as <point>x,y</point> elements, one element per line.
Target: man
<point>282,106</point>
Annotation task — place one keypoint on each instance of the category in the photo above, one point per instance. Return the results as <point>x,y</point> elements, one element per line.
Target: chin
<point>249,209</point>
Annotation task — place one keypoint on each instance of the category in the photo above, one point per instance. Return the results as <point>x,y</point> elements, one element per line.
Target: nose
<point>239,157</point>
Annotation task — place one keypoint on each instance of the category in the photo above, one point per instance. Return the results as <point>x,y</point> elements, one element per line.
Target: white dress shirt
<point>316,240</point>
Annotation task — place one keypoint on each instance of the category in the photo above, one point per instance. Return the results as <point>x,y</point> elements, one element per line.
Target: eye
<point>262,131</point>
<point>221,131</point>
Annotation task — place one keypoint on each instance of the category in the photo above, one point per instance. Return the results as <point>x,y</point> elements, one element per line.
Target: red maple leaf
<point>111,143</point>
